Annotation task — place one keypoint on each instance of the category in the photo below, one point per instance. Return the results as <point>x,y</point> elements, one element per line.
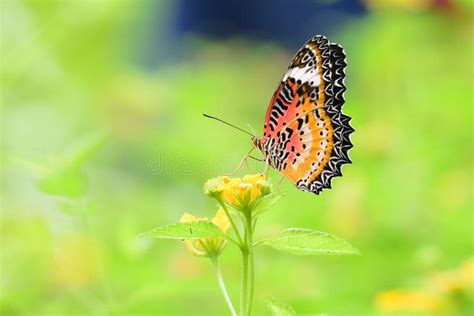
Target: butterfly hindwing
<point>306,136</point>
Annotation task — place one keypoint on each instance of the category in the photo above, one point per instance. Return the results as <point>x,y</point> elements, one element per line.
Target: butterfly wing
<point>306,135</point>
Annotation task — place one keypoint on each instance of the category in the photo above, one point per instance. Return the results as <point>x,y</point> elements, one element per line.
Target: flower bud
<point>213,187</point>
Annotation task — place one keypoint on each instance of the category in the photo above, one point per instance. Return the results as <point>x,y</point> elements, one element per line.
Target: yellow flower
<point>398,300</point>
<point>455,281</point>
<point>76,261</point>
<point>259,184</point>
<point>207,246</point>
<point>448,282</point>
<point>466,272</point>
<point>239,193</point>
<point>440,294</point>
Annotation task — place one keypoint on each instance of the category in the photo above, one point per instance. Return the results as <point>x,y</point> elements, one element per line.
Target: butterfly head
<point>259,142</point>
<point>256,142</point>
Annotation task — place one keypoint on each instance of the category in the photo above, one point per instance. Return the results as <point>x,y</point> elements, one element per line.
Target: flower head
<point>242,194</point>
<point>444,291</point>
<point>208,246</point>
<point>459,280</point>
<point>399,300</point>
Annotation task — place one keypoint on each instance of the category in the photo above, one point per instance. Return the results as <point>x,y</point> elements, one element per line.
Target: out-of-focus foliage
<point>278,308</point>
<point>70,217</point>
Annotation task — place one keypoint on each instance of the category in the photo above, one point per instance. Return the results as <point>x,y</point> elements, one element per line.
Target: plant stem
<point>244,285</point>
<point>220,280</point>
<point>246,293</point>
<point>232,223</point>
<point>107,292</point>
<point>249,242</point>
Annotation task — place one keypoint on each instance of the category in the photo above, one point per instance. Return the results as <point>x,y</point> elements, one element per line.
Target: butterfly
<point>306,135</point>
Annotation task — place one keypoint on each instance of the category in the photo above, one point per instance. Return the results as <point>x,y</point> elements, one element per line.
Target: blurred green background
<point>103,138</point>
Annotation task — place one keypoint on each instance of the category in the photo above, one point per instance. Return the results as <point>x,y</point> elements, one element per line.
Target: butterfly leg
<point>244,160</point>
<point>256,158</point>
<point>279,183</point>
<point>247,167</point>
<point>267,168</point>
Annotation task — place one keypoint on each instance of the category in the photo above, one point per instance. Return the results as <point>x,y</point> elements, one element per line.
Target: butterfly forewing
<point>306,135</point>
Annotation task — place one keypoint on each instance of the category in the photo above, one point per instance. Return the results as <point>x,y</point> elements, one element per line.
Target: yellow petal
<point>186,217</point>
<point>253,178</point>
<point>229,183</point>
<point>195,247</point>
<point>221,220</point>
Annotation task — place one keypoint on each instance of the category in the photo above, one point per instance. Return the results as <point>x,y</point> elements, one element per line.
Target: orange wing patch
<point>309,148</point>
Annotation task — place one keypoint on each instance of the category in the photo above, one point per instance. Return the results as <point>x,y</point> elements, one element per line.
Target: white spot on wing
<point>305,74</point>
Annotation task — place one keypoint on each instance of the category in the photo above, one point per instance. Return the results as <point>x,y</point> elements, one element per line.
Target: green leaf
<point>279,308</point>
<point>77,153</point>
<point>67,182</point>
<point>300,241</point>
<point>266,202</point>
<point>64,176</point>
<point>189,230</point>
<point>61,174</point>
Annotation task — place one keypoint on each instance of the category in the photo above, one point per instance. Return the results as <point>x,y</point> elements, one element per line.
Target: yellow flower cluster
<point>242,194</point>
<point>455,281</point>
<point>438,296</point>
<point>207,246</point>
<point>401,300</point>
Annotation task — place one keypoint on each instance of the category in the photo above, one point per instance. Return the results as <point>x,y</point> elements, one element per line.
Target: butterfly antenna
<point>251,128</point>
<point>227,123</point>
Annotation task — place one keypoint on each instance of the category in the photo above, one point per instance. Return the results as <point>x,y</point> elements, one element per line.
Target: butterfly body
<point>306,135</point>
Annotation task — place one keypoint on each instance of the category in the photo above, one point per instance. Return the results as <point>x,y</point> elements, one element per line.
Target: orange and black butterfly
<point>306,135</point>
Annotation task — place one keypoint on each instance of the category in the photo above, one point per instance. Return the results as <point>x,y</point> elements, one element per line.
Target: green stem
<point>250,231</point>
<point>220,280</point>
<point>246,293</point>
<point>231,220</point>
<point>107,292</point>
<point>258,243</point>
<point>244,285</point>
